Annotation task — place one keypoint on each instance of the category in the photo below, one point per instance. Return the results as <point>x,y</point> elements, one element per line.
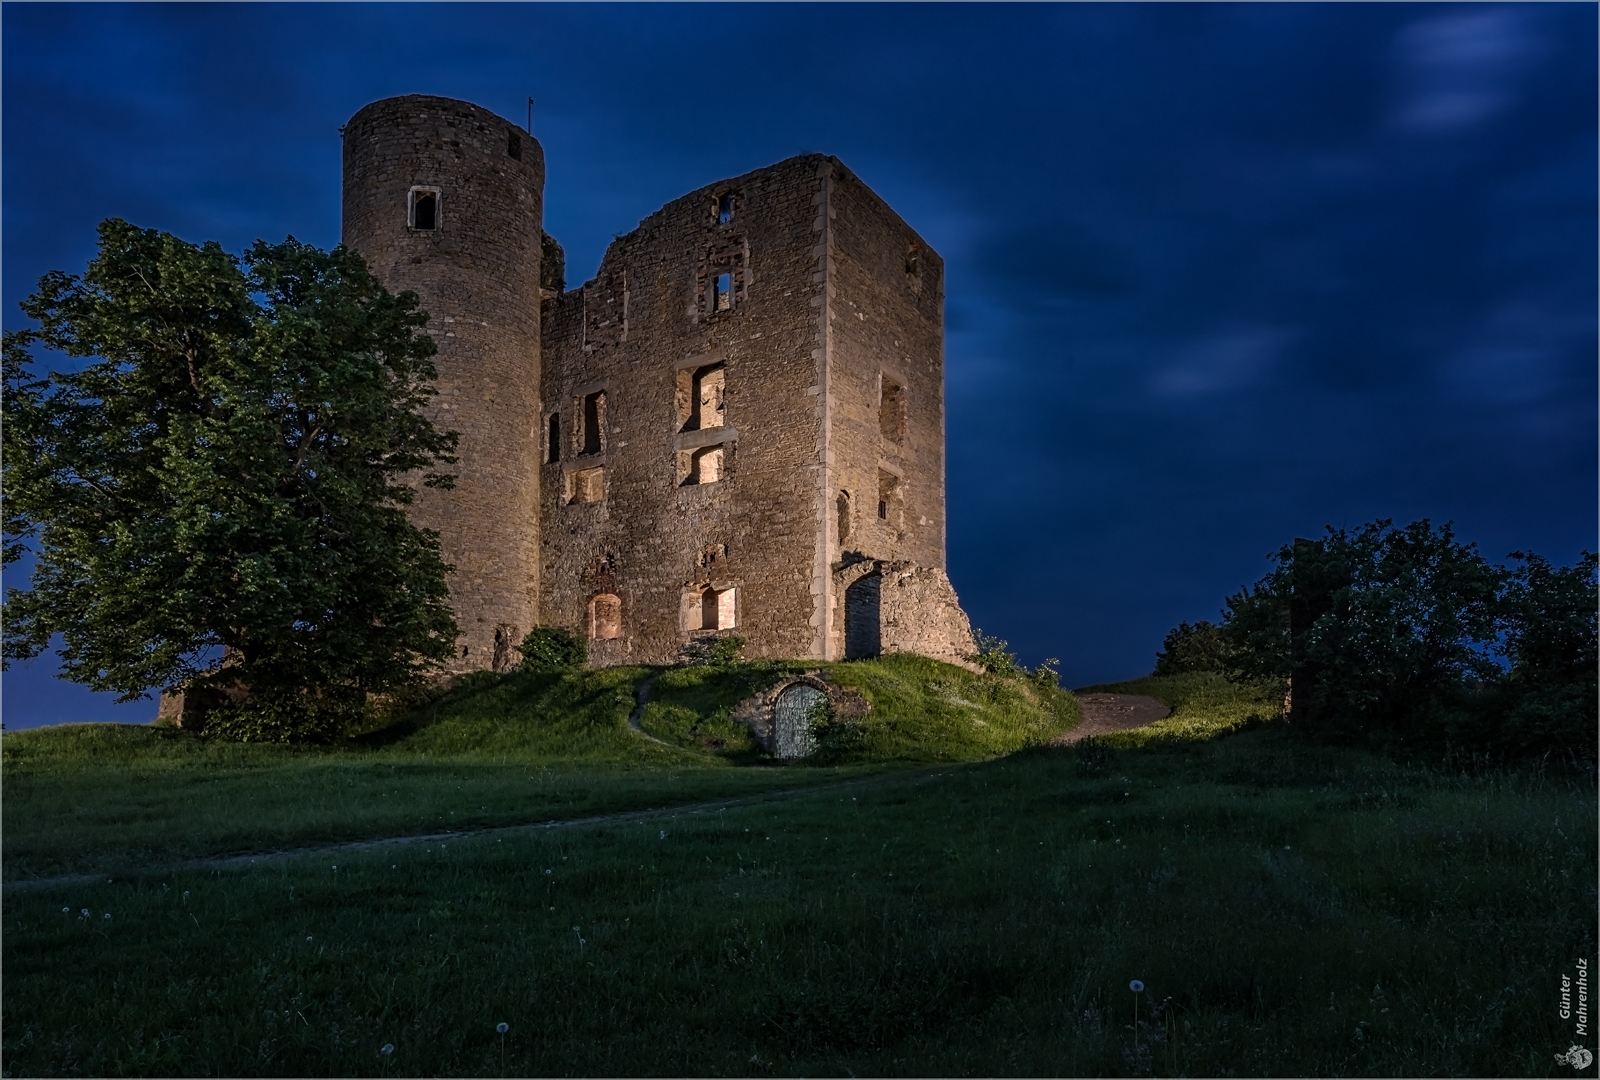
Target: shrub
<point>289,717</point>
<point>725,651</point>
<point>551,648</point>
<point>993,655</point>
<point>1190,648</point>
<point>834,739</point>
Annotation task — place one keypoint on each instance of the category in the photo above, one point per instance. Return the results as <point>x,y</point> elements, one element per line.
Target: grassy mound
<point>921,710</point>
<point>493,750</point>
<point>1204,705</point>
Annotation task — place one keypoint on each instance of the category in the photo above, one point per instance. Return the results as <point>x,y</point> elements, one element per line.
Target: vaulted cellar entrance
<point>791,721</point>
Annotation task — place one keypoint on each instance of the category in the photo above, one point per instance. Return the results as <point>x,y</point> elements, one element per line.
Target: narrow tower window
<point>553,449</point>
<point>725,208</point>
<point>594,415</point>
<point>888,492</point>
<point>605,617</point>
<point>842,506</point>
<point>892,410</point>
<point>514,145</point>
<point>721,292</point>
<point>423,211</point>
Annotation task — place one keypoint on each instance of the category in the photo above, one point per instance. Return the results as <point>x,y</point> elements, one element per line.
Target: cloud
<point>1221,363</point>
<point>1457,70</point>
<point>1525,351</point>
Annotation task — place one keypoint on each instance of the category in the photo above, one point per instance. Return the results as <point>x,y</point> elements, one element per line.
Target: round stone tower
<point>446,199</point>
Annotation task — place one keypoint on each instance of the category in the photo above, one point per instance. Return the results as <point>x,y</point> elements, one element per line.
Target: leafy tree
<point>1190,648</point>
<point>1390,621</point>
<point>1549,698</point>
<point>1408,632</point>
<point>227,475</point>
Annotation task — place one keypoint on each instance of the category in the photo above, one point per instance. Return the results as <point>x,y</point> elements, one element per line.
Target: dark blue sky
<point>1217,275</point>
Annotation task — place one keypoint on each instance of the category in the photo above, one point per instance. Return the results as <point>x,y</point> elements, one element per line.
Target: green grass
<point>922,710</point>
<point>1291,909</point>
<point>1204,705</point>
<point>494,751</point>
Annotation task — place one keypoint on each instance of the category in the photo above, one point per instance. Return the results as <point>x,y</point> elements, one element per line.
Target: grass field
<point>1291,910</point>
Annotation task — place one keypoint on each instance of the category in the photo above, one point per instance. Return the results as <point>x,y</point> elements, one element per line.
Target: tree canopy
<point>227,474</point>
<point>1410,632</point>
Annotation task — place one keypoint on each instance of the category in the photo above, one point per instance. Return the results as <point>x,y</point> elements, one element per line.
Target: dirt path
<point>234,862</point>
<point>1105,713</point>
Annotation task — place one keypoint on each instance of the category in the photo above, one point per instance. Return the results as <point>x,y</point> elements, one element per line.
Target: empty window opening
<point>594,418</point>
<point>723,277</point>
<point>587,486</point>
<point>888,493</point>
<point>700,398</point>
<point>424,209</point>
<point>553,447</point>
<point>725,208</point>
<point>892,410</point>
<point>514,145</point>
<point>842,505</point>
<point>605,617</point>
<point>707,608</point>
<point>707,465</point>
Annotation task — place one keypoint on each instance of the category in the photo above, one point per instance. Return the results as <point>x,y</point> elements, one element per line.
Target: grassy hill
<point>1290,910</point>
<point>495,750</point>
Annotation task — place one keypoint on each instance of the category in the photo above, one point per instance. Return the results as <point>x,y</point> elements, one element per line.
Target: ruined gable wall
<point>887,325</point>
<point>650,536</point>
<point>477,275</point>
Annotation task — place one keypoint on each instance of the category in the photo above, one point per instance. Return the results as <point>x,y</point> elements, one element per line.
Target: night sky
<point>1217,275</point>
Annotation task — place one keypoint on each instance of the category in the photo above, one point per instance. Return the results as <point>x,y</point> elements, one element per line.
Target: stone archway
<point>792,712</point>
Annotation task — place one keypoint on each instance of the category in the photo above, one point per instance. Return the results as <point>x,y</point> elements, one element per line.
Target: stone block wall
<point>897,606</point>
<point>476,272</point>
<point>703,474</point>
<point>746,400</point>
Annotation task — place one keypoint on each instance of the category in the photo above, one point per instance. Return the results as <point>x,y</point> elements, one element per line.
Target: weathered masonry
<point>737,427</point>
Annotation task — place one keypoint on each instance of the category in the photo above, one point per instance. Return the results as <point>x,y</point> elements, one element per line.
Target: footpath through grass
<point>1291,910</point>
<point>497,750</point>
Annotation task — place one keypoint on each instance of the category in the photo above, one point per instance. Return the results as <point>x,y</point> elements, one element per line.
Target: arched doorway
<point>792,736</point>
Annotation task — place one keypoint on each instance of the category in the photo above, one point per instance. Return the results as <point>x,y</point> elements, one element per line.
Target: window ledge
<point>694,440</point>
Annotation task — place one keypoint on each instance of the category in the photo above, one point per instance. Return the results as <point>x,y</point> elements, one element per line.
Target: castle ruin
<point>737,427</point>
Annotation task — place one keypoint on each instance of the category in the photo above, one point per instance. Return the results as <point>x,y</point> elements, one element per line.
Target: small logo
<point>1577,1057</point>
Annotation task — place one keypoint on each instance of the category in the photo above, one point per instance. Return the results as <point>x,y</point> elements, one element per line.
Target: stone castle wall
<point>476,272</point>
<point>711,437</point>
<point>644,531</point>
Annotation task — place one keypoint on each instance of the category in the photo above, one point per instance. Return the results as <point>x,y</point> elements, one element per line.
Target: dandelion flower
<point>107,915</point>
<point>502,1027</point>
<point>85,913</point>
<point>65,910</point>
<point>386,1049</point>
<point>1136,986</point>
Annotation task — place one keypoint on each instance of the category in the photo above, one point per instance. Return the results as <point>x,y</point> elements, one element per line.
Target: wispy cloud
<point>1221,363</point>
<point>1457,70</point>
